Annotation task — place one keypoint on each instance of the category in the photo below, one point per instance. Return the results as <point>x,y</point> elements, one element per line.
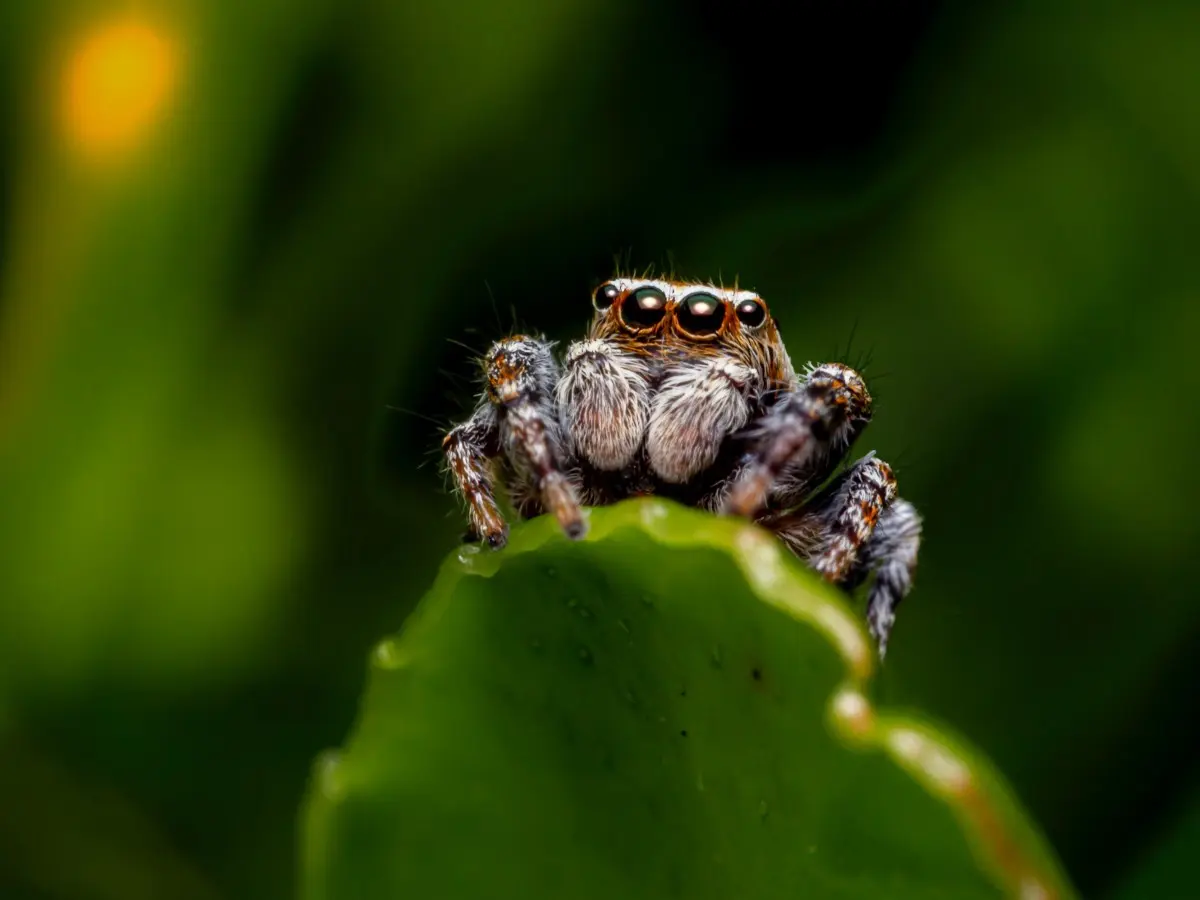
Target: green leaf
<point>672,707</point>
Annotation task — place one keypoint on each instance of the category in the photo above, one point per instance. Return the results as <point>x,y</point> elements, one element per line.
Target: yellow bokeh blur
<point>117,83</point>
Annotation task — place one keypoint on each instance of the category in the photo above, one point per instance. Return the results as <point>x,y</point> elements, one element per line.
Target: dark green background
<point>218,481</point>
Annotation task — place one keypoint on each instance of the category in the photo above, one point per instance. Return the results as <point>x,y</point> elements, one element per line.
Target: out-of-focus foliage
<point>673,707</point>
<point>1169,867</point>
<point>238,238</point>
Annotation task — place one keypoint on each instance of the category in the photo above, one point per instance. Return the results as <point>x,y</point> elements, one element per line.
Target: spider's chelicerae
<point>685,390</point>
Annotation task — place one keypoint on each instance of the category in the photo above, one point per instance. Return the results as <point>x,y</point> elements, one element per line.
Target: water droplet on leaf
<point>387,655</point>
<point>328,773</point>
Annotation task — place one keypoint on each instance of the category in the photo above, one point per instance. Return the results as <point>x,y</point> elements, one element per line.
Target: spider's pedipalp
<point>604,402</point>
<point>801,439</point>
<point>695,410</point>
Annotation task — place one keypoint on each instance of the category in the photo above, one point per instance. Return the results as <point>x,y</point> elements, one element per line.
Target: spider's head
<point>684,318</point>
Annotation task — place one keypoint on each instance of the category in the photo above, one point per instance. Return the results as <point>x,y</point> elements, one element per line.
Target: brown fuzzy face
<point>678,320</point>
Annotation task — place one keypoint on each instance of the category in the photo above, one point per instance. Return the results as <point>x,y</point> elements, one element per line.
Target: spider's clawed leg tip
<point>497,540</point>
<point>746,497</point>
<point>740,505</point>
<point>575,530</point>
<point>880,638</point>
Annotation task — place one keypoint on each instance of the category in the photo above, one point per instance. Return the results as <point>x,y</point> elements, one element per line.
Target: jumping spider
<point>685,390</point>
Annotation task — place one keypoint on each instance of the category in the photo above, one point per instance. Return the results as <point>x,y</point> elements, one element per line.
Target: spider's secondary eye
<point>751,313</point>
<point>644,307</point>
<point>701,314</point>
<point>604,296</point>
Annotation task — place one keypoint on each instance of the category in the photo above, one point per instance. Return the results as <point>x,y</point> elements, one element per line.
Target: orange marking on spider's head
<point>117,82</point>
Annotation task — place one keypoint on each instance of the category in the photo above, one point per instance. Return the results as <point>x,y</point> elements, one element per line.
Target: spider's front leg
<point>516,418</point>
<point>470,449</point>
<point>801,440</point>
<point>855,527</point>
<point>891,554</point>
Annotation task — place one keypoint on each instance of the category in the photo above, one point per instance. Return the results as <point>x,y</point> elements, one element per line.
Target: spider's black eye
<point>751,313</point>
<point>701,314</point>
<point>604,296</point>
<point>644,307</point>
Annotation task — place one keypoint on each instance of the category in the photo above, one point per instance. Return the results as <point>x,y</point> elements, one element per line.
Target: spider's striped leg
<point>853,527</point>
<point>516,417</point>
<point>829,532</point>
<point>801,440</point>
<point>521,377</point>
<point>470,450</point>
<point>891,554</point>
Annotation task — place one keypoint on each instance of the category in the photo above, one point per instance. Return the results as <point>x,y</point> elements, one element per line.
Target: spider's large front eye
<point>751,313</point>
<point>604,296</point>
<point>701,314</point>
<point>644,308</point>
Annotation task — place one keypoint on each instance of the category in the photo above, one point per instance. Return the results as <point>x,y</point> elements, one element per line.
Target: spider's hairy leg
<point>694,411</point>
<point>603,402</point>
<point>469,449</point>
<point>829,531</point>
<point>850,529</point>
<point>891,554</point>
<point>801,439</point>
<point>521,375</point>
<point>851,515</point>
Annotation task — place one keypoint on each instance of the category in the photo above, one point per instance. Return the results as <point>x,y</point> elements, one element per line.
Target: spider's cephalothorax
<point>686,390</point>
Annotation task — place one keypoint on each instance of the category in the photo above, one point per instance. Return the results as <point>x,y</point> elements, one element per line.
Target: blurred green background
<point>242,243</point>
